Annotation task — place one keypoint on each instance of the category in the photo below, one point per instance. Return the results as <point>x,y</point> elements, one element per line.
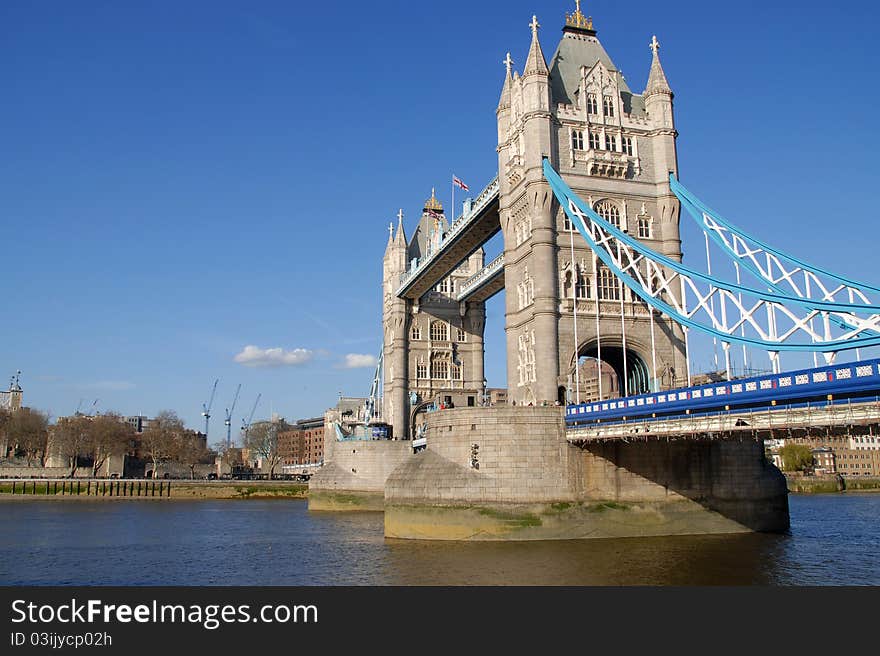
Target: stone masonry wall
<point>522,458</point>
<point>361,466</point>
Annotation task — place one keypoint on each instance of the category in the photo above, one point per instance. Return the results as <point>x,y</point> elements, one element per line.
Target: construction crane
<point>228,421</point>
<point>87,412</point>
<point>245,425</point>
<point>206,409</point>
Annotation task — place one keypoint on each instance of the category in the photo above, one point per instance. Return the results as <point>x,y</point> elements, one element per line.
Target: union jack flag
<point>458,183</point>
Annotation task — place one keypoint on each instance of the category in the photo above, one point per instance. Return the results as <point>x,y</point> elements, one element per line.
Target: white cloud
<point>356,361</point>
<point>254,356</point>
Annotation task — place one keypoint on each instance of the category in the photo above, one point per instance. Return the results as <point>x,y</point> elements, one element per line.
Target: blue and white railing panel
<point>860,378</point>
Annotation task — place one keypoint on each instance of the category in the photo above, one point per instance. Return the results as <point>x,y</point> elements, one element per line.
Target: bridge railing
<point>483,200</point>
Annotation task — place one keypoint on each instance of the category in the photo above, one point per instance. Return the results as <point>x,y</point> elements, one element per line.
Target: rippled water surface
<point>833,541</point>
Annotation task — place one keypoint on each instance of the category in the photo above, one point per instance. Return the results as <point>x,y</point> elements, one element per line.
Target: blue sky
<point>180,180</point>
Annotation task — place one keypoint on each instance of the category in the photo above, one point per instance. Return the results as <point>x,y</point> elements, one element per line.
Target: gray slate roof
<point>574,51</point>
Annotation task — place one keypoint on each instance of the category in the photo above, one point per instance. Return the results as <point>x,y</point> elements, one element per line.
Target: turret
<point>536,102</point>
<point>503,111</point>
<point>658,103</point>
<point>658,94</point>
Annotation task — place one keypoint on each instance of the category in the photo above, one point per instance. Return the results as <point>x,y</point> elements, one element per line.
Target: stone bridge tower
<point>616,149</point>
<point>433,348</point>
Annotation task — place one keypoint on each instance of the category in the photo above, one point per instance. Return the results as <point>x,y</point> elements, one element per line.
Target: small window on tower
<point>609,212</point>
<point>439,332</point>
<point>577,139</point>
<point>628,146</point>
<point>608,105</point>
<point>644,227</point>
<point>594,141</point>
<point>610,142</point>
<point>592,104</point>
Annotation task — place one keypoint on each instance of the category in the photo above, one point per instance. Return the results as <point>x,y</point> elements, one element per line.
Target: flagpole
<point>453,199</point>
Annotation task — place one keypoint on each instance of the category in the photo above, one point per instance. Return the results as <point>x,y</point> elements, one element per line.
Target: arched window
<point>415,332</point>
<point>440,370</point>
<point>611,142</point>
<point>607,286</point>
<point>577,139</point>
<point>644,227</point>
<point>439,332</point>
<point>608,105</point>
<point>421,371</point>
<point>455,372</point>
<point>592,104</point>
<point>582,288</point>
<point>595,142</point>
<point>608,211</point>
<point>526,290</point>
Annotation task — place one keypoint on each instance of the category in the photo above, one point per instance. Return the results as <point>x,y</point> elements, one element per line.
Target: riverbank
<point>63,489</point>
<point>831,484</point>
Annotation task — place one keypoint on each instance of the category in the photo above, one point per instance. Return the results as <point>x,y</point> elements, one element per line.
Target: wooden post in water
<point>13,487</point>
<point>47,488</point>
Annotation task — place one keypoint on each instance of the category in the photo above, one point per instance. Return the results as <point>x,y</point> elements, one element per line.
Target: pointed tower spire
<point>657,78</point>
<point>401,233</point>
<point>535,62</point>
<point>504,102</point>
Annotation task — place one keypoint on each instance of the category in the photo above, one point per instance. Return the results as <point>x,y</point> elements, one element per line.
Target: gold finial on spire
<point>432,203</point>
<point>577,19</point>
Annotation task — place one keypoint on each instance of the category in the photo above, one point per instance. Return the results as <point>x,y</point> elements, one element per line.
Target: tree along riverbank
<point>831,484</point>
<point>149,489</point>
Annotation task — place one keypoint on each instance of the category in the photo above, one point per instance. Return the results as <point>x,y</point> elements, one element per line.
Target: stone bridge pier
<point>508,473</point>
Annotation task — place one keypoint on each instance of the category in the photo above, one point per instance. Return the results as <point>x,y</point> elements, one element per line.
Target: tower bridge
<point>601,314</point>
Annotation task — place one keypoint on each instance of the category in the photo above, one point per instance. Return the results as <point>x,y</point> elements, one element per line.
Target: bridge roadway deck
<point>465,236</point>
<point>760,423</point>
<point>485,283</point>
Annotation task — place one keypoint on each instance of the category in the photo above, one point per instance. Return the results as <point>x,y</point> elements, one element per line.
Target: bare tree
<point>108,436</point>
<point>191,451</point>
<point>5,417</point>
<point>69,438</point>
<point>160,440</point>
<point>262,439</point>
<point>28,430</point>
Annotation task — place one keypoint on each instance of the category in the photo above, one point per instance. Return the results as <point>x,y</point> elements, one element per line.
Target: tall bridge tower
<point>616,149</point>
<point>433,347</point>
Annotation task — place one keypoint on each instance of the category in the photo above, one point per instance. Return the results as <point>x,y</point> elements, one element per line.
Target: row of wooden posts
<point>95,488</point>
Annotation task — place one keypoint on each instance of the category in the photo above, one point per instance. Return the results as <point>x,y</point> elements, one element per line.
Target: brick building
<point>303,445</point>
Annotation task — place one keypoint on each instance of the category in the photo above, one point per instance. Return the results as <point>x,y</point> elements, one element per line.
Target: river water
<point>833,541</point>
